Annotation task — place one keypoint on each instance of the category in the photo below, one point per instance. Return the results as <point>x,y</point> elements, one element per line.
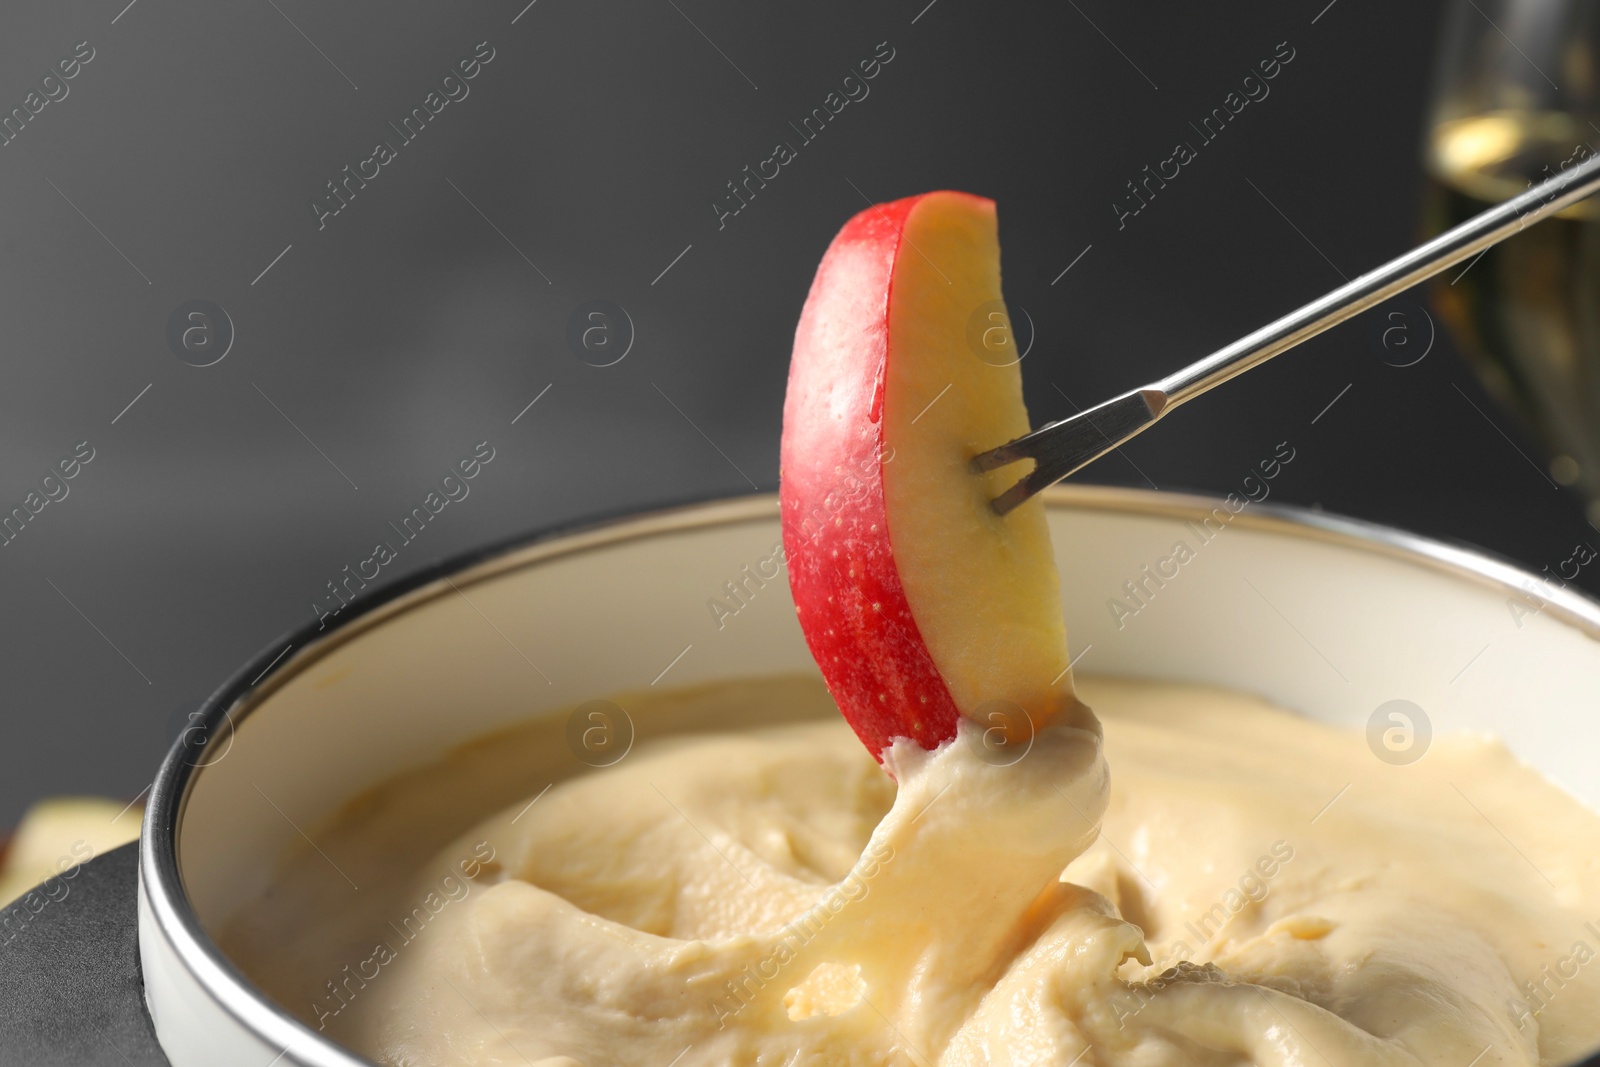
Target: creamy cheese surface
<point>1243,887</point>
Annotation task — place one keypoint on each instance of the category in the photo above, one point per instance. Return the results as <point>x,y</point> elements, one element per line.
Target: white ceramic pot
<point>1329,617</point>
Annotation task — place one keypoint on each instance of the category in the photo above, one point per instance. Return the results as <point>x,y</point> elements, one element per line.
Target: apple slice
<point>918,602</point>
<point>57,833</point>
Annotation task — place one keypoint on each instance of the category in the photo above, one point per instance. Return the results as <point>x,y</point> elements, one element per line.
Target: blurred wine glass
<point>1517,99</point>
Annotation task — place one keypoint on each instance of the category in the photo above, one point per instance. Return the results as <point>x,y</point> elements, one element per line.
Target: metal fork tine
<point>1062,447</point>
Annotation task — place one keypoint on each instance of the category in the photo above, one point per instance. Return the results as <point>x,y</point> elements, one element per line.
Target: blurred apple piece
<point>58,833</point>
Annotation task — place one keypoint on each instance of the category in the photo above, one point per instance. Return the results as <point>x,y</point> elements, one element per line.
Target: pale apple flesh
<point>919,603</point>
<point>55,835</point>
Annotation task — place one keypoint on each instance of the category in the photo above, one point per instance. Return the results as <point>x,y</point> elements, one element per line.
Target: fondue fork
<point>1060,448</point>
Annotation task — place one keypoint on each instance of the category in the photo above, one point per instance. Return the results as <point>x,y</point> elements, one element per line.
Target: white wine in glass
<point>1518,98</point>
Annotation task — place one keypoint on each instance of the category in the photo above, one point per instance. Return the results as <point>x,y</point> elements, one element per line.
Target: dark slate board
<point>70,989</point>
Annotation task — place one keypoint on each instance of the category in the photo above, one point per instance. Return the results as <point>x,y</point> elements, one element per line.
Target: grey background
<point>379,350</point>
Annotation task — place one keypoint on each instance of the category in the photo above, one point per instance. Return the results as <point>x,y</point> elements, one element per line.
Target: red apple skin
<point>847,589</point>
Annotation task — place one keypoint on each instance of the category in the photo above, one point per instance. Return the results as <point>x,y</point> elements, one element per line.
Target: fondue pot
<point>1331,618</point>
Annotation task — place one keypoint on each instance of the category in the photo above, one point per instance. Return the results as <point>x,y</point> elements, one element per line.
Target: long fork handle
<point>1470,238</point>
<point>1062,447</point>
